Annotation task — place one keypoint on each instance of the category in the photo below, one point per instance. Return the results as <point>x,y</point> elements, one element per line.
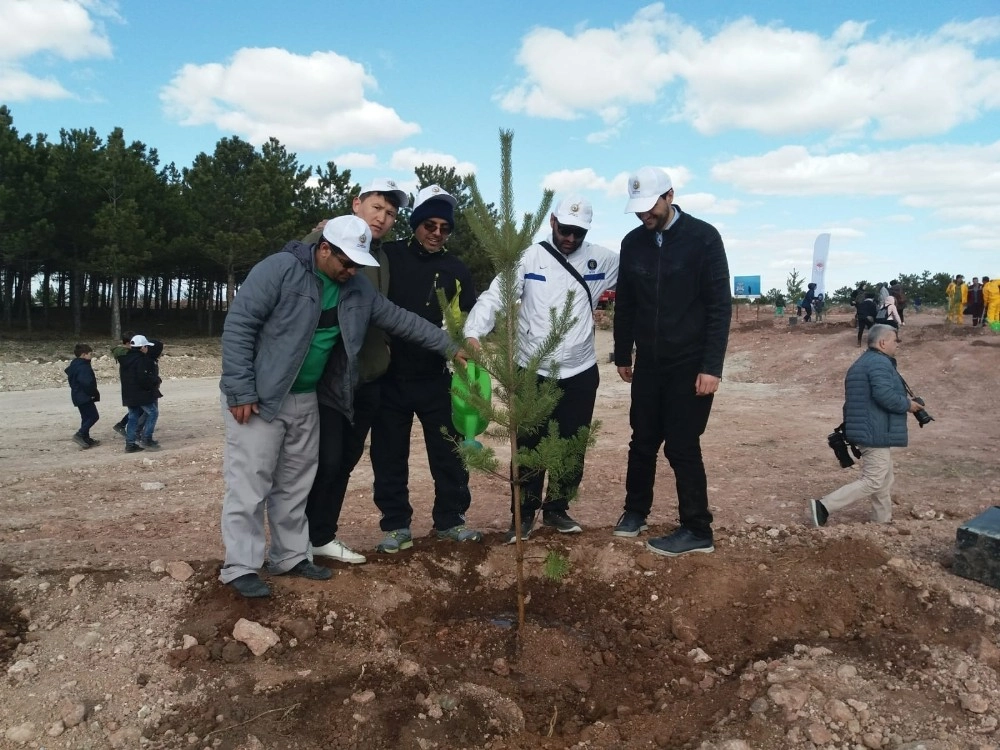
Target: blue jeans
<point>152,411</point>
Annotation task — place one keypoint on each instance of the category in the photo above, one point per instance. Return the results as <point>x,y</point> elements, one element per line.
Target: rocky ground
<point>115,633</point>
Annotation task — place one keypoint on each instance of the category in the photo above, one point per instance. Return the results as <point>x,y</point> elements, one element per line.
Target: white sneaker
<point>337,550</point>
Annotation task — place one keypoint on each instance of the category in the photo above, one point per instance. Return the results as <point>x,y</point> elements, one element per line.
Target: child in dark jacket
<point>83,390</point>
<point>140,378</point>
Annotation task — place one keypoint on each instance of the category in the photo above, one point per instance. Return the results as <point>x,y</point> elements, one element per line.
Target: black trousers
<point>341,446</point>
<point>574,410</point>
<point>665,411</point>
<point>430,400</point>
<point>863,325</point>
<point>88,418</point>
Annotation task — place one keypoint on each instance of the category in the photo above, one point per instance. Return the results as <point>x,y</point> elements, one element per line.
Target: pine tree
<point>522,402</point>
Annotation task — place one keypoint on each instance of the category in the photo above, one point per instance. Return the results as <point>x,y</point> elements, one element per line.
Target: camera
<point>922,416</point>
<point>842,449</point>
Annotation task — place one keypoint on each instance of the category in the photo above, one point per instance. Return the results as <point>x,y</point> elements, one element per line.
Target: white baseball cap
<point>139,341</point>
<point>388,187</point>
<point>645,186</point>
<point>352,237</point>
<point>574,211</point>
<point>434,192</point>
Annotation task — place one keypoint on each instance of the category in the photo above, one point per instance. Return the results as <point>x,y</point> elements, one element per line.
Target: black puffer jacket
<point>82,382</point>
<point>140,376</point>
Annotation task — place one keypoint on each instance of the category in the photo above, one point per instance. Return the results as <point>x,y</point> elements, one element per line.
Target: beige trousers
<point>875,482</point>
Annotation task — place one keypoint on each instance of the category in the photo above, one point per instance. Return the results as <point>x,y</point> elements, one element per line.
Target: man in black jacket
<point>418,381</point>
<point>673,305</point>
<point>140,377</point>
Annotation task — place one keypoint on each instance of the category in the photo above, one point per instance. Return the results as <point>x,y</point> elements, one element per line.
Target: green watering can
<point>468,422</point>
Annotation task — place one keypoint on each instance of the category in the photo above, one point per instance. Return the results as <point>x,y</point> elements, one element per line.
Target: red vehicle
<point>607,298</point>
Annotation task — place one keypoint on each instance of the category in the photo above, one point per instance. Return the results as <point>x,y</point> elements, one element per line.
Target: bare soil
<point>853,636</point>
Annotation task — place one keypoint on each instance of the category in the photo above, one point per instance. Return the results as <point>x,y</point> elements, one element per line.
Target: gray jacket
<point>876,405</point>
<point>361,304</point>
<point>272,320</point>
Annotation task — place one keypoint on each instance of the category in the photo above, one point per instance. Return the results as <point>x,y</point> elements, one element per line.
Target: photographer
<point>875,408</point>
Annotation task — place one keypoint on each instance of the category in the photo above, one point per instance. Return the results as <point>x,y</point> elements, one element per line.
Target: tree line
<point>928,287</point>
<point>116,238</point>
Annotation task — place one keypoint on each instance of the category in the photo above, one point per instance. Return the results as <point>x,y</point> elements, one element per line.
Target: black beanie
<point>435,208</point>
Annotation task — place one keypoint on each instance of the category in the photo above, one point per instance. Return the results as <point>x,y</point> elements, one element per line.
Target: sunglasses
<point>565,231</point>
<point>431,227</point>
<point>346,262</point>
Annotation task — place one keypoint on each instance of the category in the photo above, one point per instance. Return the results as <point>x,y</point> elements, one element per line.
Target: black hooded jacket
<point>140,376</point>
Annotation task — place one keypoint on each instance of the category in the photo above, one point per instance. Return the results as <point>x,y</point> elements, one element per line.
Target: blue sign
<point>746,286</point>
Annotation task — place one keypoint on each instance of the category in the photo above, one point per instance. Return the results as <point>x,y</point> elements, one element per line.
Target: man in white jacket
<point>543,283</point>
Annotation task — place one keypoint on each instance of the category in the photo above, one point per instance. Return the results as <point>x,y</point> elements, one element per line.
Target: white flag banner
<point>821,251</point>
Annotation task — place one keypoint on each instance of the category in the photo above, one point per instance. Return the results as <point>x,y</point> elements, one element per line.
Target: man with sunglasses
<point>673,306</point>
<point>341,440</point>
<point>296,310</point>
<point>418,382</point>
<point>543,283</point>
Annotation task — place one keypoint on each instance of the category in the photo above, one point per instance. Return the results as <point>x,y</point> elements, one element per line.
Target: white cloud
<point>18,86</point>
<point>769,78</point>
<point>408,159</point>
<point>922,175</point>
<point>311,102</point>
<point>574,180</point>
<point>66,29</point>
<point>354,160</point>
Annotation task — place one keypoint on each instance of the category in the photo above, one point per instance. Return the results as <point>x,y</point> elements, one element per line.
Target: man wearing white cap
<point>341,441</point>
<point>547,273</point>
<point>673,305</point>
<point>296,310</point>
<point>419,383</point>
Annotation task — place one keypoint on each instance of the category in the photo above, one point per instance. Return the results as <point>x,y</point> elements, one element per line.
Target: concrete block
<point>977,548</point>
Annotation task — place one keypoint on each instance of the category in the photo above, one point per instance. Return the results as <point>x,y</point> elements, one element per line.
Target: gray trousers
<point>875,482</point>
<point>268,466</point>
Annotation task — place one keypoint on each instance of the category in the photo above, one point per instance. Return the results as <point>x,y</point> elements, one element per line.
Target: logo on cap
<point>361,240</point>
<point>435,189</point>
<point>390,183</point>
<point>635,184</point>
<point>574,208</point>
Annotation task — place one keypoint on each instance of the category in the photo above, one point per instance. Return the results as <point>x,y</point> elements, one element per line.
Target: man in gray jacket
<point>296,310</point>
<point>875,409</point>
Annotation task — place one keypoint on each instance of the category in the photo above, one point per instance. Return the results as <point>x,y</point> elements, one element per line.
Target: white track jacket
<point>543,283</point>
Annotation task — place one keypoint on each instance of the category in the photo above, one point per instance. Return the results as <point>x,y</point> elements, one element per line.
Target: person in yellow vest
<point>957,294</point>
<point>991,299</point>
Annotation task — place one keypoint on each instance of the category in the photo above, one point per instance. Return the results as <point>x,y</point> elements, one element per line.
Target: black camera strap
<point>573,272</point>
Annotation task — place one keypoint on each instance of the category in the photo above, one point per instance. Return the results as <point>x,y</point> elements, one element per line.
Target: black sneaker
<point>560,521</point>
<point>92,442</point>
<point>630,524</point>
<point>250,586</point>
<point>305,569</point>
<point>81,440</point>
<point>119,428</point>
<point>527,524</point>
<point>819,513</point>
<point>681,542</point>
<point>149,445</point>
<point>132,448</point>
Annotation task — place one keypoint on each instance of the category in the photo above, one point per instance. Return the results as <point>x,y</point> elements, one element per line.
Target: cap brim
<point>572,221</point>
<point>362,259</point>
<point>402,197</point>
<point>641,204</point>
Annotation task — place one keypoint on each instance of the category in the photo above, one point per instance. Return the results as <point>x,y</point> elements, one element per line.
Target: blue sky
<point>875,122</point>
